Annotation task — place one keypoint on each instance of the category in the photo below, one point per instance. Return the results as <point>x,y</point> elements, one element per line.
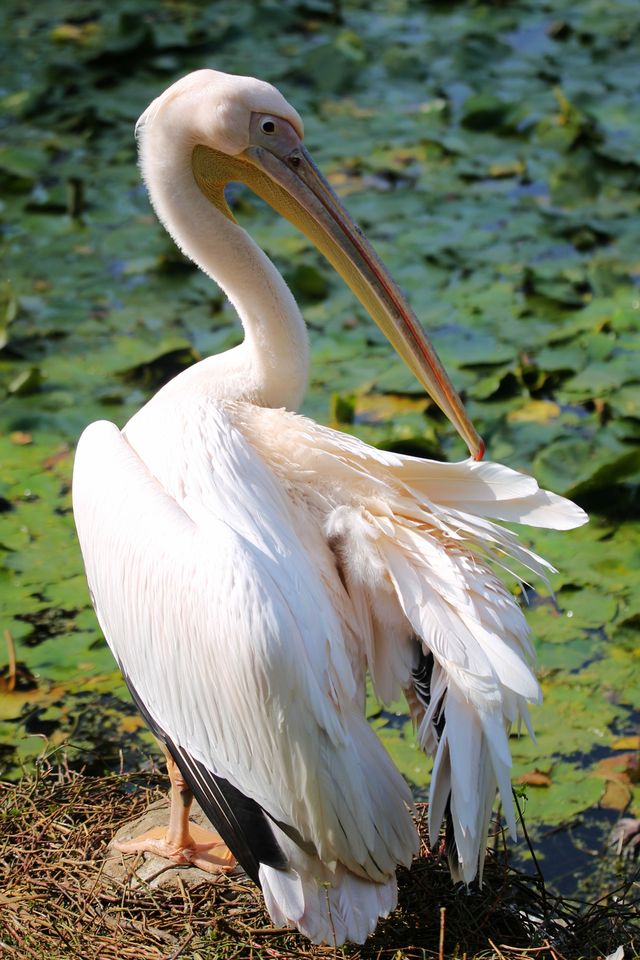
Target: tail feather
<point>329,908</point>
<point>437,562</point>
<point>486,685</point>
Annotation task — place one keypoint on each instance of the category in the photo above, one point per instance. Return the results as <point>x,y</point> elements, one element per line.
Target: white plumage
<point>249,567</point>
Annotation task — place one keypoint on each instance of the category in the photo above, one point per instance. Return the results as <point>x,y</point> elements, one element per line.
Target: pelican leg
<point>182,842</point>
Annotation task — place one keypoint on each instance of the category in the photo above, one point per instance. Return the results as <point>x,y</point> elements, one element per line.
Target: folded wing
<point>226,628</point>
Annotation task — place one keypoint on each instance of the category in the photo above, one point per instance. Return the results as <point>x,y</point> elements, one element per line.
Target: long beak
<point>296,189</point>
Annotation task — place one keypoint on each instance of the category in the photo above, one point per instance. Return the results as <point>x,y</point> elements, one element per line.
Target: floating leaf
<point>574,466</point>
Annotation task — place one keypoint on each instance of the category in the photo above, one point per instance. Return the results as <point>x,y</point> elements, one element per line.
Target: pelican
<point>250,568</point>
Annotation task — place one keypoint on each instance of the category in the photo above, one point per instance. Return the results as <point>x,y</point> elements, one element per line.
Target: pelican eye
<point>268,126</point>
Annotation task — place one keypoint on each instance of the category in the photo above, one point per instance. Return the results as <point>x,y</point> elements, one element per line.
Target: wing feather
<point>419,551</point>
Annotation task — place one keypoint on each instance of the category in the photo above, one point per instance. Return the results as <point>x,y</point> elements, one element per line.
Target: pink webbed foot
<point>202,848</point>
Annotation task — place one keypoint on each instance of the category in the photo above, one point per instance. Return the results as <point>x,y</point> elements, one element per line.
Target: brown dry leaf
<point>12,702</point>
<point>20,438</point>
<point>617,767</point>
<point>534,411</point>
<point>384,406</point>
<point>627,743</point>
<point>74,33</point>
<point>616,795</point>
<point>131,724</point>
<point>508,169</point>
<point>619,772</point>
<point>535,778</point>
<point>56,457</point>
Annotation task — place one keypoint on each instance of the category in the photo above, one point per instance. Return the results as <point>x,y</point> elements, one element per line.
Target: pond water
<point>491,154</point>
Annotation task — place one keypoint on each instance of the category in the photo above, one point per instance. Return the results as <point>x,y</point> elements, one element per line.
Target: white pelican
<point>249,567</point>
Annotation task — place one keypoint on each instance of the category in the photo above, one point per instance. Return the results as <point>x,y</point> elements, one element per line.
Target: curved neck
<point>270,367</point>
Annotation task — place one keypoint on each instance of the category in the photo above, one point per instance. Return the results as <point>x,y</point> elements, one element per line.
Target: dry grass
<point>56,902</point>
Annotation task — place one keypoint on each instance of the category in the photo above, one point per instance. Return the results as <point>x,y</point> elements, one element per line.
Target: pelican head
<point>243,129</point>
